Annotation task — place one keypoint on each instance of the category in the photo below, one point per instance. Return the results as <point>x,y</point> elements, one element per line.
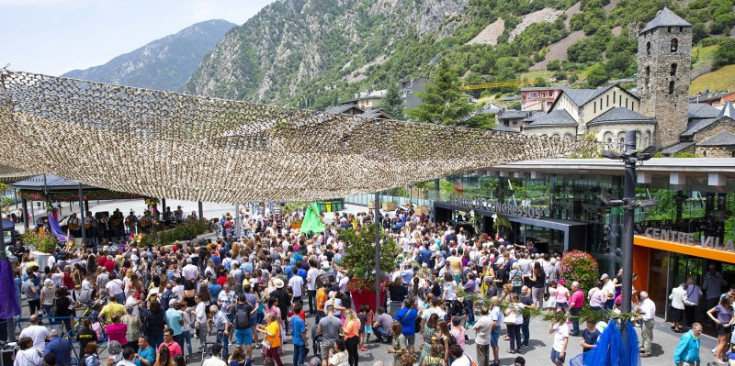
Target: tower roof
<point>666,18</point>
<point>728,110</point>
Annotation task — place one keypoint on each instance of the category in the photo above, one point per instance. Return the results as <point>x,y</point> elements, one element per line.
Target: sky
<point>56,36</point>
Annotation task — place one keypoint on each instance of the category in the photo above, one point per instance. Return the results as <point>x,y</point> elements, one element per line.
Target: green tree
<point>392,103</point>
<point>443,102</point>
<point>725,54</point>
<point>597,75</point>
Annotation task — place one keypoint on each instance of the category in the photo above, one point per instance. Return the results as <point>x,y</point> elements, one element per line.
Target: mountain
<point>164,64</point>
<point>317,53</point>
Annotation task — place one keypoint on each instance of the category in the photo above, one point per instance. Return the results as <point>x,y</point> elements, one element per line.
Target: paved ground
<point>536,354</point>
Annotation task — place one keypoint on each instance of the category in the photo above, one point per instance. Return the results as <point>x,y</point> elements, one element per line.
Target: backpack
<point>242,318</point>
<point>452,340</point>
<point>165,298</point>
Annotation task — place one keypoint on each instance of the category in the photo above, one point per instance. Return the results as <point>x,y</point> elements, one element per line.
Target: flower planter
<point>366,298</point>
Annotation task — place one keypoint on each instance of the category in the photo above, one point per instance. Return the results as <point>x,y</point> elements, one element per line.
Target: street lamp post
<point>629,203</point>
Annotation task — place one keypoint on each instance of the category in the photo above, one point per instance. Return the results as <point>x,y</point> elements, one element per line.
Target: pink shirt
<point>116,332</point>
<point>562,294</point>
<point>173,348</point>
<point>458,334</point>
<point>577,298</point>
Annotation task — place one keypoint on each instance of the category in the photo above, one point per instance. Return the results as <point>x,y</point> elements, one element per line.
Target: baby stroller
<point>316,359</point>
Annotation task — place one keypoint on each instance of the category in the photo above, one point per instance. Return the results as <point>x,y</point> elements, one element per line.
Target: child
<point>362,315</point>
<point>369,324</point>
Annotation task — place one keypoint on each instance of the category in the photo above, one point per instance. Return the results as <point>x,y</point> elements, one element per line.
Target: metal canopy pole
<point>201,211</point>
<point>377,250</point>
<point>628,222</point>
<point>82,214</point>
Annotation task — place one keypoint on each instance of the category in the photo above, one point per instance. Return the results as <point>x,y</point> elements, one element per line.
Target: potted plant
<point>359,262</point>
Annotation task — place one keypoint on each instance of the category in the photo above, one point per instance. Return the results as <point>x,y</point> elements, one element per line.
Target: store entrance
<point>546,240</point>
<point>683,267</point>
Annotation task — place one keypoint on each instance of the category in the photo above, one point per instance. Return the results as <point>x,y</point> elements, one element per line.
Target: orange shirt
<point>352,328</point>
<point>273,328</point>
<point>321,299</point>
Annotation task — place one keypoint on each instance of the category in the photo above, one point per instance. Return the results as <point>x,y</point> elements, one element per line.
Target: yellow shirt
<point>112,309</point>
<point>273,328</point>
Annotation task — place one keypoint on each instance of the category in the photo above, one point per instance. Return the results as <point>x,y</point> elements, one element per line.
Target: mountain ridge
<point>165,63</point>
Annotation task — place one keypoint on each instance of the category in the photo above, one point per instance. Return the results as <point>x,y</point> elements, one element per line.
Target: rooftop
<point>665,18</point>
<point>693,166</point>
<point>620,114</point>
<point>722,138</point>
<point>702,110</point>
<point>558,117</point>
<point>542,88</point>
<point>728,111</point>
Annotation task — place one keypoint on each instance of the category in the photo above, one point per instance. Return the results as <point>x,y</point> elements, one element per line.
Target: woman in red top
<point>67,280</point>
<point>117,331</point>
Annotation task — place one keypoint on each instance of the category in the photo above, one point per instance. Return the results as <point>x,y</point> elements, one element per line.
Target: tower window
<point>632,106</point>
<point>673,69</point>
<point>594,107</point>
<point>607,100</point>
<point>648,48</point>
<point>681,29</point>
<point>620,100</point>
<point>671,87</point>
<point>626,102</point>
<point>674,45</point>
<point>669,29</point>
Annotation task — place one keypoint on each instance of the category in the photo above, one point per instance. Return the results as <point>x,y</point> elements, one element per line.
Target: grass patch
<point>704,55</point>
<point>720,80</point>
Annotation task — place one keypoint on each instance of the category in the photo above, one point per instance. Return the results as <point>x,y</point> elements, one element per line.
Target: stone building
<point>664,59</point>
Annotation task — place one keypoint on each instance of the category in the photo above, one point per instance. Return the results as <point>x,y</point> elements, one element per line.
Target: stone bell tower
<point>664,65</point>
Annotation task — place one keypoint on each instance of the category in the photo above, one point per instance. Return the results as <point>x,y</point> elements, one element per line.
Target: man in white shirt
<point>38,333</point>
<point>215,360</point>
<point>115,289</point>
<point>311,275</point>
<point>483,330</point>
<point>560,329</point>
<point>647,310</point>
<point>608,288</point>
<point>190,271</point>
<point>296,283</point>
<point>496,318</point>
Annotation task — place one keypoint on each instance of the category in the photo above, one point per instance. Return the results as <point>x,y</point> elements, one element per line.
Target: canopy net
<point>164,144</point>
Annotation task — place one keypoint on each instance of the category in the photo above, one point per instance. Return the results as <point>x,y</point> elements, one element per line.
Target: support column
<point>83,213</point>
<point>378,228</point>
<point>628,222</point>
<point>86,205</point>
<point>201,211</point>
<point>26,217</point>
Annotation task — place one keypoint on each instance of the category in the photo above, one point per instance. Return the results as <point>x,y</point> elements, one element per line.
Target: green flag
<point>312,221</point>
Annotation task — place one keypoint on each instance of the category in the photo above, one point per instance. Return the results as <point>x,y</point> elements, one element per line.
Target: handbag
<point>266,344</point>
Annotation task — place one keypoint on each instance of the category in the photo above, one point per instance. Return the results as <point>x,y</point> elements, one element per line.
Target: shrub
<point>359,258</point>
<point>186,231</point>
<point>42,243</point>
<point>581,267</point>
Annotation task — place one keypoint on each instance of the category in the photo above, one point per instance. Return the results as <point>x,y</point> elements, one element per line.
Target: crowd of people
<point>241,300</point>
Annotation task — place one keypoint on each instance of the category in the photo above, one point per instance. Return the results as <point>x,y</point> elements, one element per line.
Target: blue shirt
<point>407,318</point>
<point>425,256</point>
<point>62,348</point>
<point>216,259</point>
<point>18,284</point>
<point>302,272</point>
<point>214,290</point>
<point>298,327</point>
<point>172,319</point>
<point>688,349</point>
<point>149,354</point>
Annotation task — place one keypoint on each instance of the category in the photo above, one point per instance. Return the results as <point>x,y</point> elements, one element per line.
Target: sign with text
<point>498,207</point>
<point>714,242</point>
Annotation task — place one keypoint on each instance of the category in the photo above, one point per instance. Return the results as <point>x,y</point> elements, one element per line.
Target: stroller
<point>316,359</point>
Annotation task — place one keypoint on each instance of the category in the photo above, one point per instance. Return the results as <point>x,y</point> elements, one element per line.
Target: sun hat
<point>278,283</point>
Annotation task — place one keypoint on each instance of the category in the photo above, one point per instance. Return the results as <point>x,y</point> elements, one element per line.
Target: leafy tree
<point>540,81</point>
<point>392,103</point>
<point>443,102</point>
<point>725,54</point>
<point>597,75</point>
<point>553,65</point>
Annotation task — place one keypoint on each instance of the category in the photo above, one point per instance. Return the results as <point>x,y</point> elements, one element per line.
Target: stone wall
<point>723,124</point>
<point>660,98</point>
<point>715,151</point>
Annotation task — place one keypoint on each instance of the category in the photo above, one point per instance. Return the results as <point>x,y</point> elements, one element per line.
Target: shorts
<point>677,315</point>
<point>368,329</point>
<point>721,331</point>
<point>555,357</point>
<point>244,337</point>
<point>324,348</point>
<point>494,336</point>
<point>410,339</point>
<point>562,305</point>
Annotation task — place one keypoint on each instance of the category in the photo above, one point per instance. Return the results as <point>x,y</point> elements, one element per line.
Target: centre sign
<point>497,207</point>
<point>714,242</point>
